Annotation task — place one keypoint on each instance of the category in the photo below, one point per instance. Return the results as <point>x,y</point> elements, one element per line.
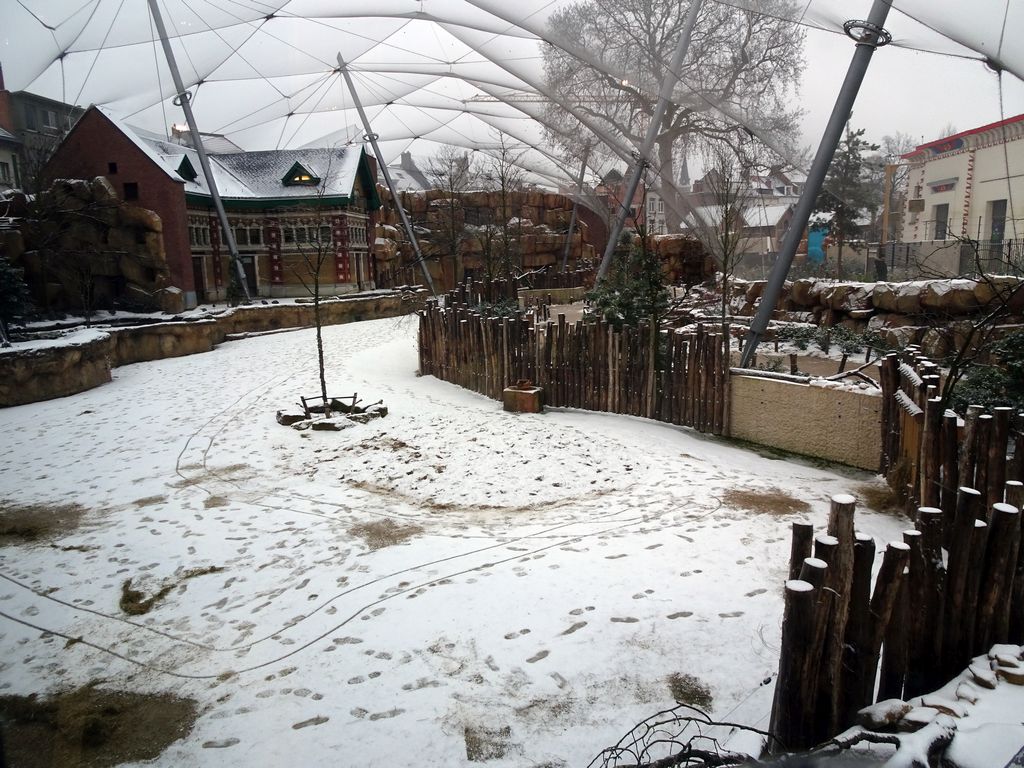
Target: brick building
<point>285,207</point>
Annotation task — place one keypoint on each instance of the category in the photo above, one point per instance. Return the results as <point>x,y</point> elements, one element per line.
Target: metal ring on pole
<point>186,96</point>
<point>371,136</point>
<point>866,33</point>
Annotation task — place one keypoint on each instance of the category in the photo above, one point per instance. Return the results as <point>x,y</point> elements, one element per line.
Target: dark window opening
<point>131,190</point>
<point>998,221</point>
<point>941,221</point>
<point>111,168</point>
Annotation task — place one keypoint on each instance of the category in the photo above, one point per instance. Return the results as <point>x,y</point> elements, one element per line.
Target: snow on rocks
<point>970,726</point>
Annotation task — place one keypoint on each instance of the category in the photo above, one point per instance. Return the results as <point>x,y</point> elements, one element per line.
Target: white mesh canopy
<point>469,73</point>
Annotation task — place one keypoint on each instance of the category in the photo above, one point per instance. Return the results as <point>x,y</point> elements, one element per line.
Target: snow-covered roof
<point>250,175</point>
<point>764,215</point>
<point>754,215</point>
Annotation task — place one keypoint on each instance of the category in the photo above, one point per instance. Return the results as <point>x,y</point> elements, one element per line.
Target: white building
<point>967,187</point>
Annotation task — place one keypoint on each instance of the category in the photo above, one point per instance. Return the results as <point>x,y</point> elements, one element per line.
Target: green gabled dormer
<point>186,170</point>
<point>300,176</point>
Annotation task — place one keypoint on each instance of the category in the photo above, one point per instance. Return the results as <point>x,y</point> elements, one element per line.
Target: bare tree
<point>503,174</point>
<point>453,172</point>
<point>744,61</point>
<point>317,253</point>
<point>721,226</point>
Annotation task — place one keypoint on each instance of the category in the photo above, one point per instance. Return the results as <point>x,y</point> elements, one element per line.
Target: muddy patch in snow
<point>384,533</point>
<point>771,501</point>
<point>135,602</point>
<point>687,689</point>
<point>24,523</point>
<point>484,744</point>
<point>879,497</point>
<point>92,727</point>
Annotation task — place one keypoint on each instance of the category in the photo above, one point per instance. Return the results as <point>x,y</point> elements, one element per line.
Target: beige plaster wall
<point>834,424</point>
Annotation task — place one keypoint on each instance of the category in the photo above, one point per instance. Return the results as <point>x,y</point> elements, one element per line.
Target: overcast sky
<point>916,93</point>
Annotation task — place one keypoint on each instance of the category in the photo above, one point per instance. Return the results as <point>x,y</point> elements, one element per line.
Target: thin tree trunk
<point>320,342</point>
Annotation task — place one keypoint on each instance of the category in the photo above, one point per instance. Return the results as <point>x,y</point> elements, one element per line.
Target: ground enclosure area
<point>451,581</point>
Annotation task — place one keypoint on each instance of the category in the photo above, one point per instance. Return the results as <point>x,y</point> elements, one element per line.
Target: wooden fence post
<point>954,648</point>
<point>800,547</point>
<point>792,707</point>
<point>996,584</point>
<point>884,600</point>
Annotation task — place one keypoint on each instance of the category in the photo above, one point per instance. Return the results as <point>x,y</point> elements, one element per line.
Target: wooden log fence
<point>678,378</point>
<point>949,591</point>
<point>928,452</point>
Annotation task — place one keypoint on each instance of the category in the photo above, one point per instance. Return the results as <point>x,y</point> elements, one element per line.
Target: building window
<point>255,236</point>
<point>49,118</point>
<point>325,234</point>
<point>300,234</point>
<point>30,118</point>
<point>241,236</point>
<point>111,168</point>
<point>941,221</point>
<point>5,172</point>
<point>288,234</point>
<point>998,221</point>
<point>131,190</point>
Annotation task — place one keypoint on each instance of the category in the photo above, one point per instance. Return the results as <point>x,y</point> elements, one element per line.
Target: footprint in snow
<point>537,657</point>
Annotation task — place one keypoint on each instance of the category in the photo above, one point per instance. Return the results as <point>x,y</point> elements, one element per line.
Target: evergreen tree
<point>634,290</point>
<point>849,192</point>
<point>14,297</point>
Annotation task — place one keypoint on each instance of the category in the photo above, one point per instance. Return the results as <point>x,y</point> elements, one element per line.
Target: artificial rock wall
<point>902,313</point>
<point>82,244</point>
<point>538,222</point>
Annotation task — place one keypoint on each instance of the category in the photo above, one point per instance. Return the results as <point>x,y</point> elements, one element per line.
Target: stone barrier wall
<point>46,372</point>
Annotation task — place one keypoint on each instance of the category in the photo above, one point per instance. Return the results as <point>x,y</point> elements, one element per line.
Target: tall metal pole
<point>868,35</point>
<point>372,138</point>
<point>575,207</point>
<point>664,97</point>
<point>184,98</point>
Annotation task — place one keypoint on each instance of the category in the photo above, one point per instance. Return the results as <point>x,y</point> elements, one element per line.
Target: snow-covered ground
<point>548,573</point>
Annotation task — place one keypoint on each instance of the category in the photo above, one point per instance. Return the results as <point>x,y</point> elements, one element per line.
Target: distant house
<point>766,207</point>
<point>31,127</point>
<point>281,204</point>
<point>10,148</point>
<point>968,186</point>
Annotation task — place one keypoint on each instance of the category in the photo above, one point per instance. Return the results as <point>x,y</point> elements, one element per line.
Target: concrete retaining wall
<point>835,424</point>
<point>43,373</point>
